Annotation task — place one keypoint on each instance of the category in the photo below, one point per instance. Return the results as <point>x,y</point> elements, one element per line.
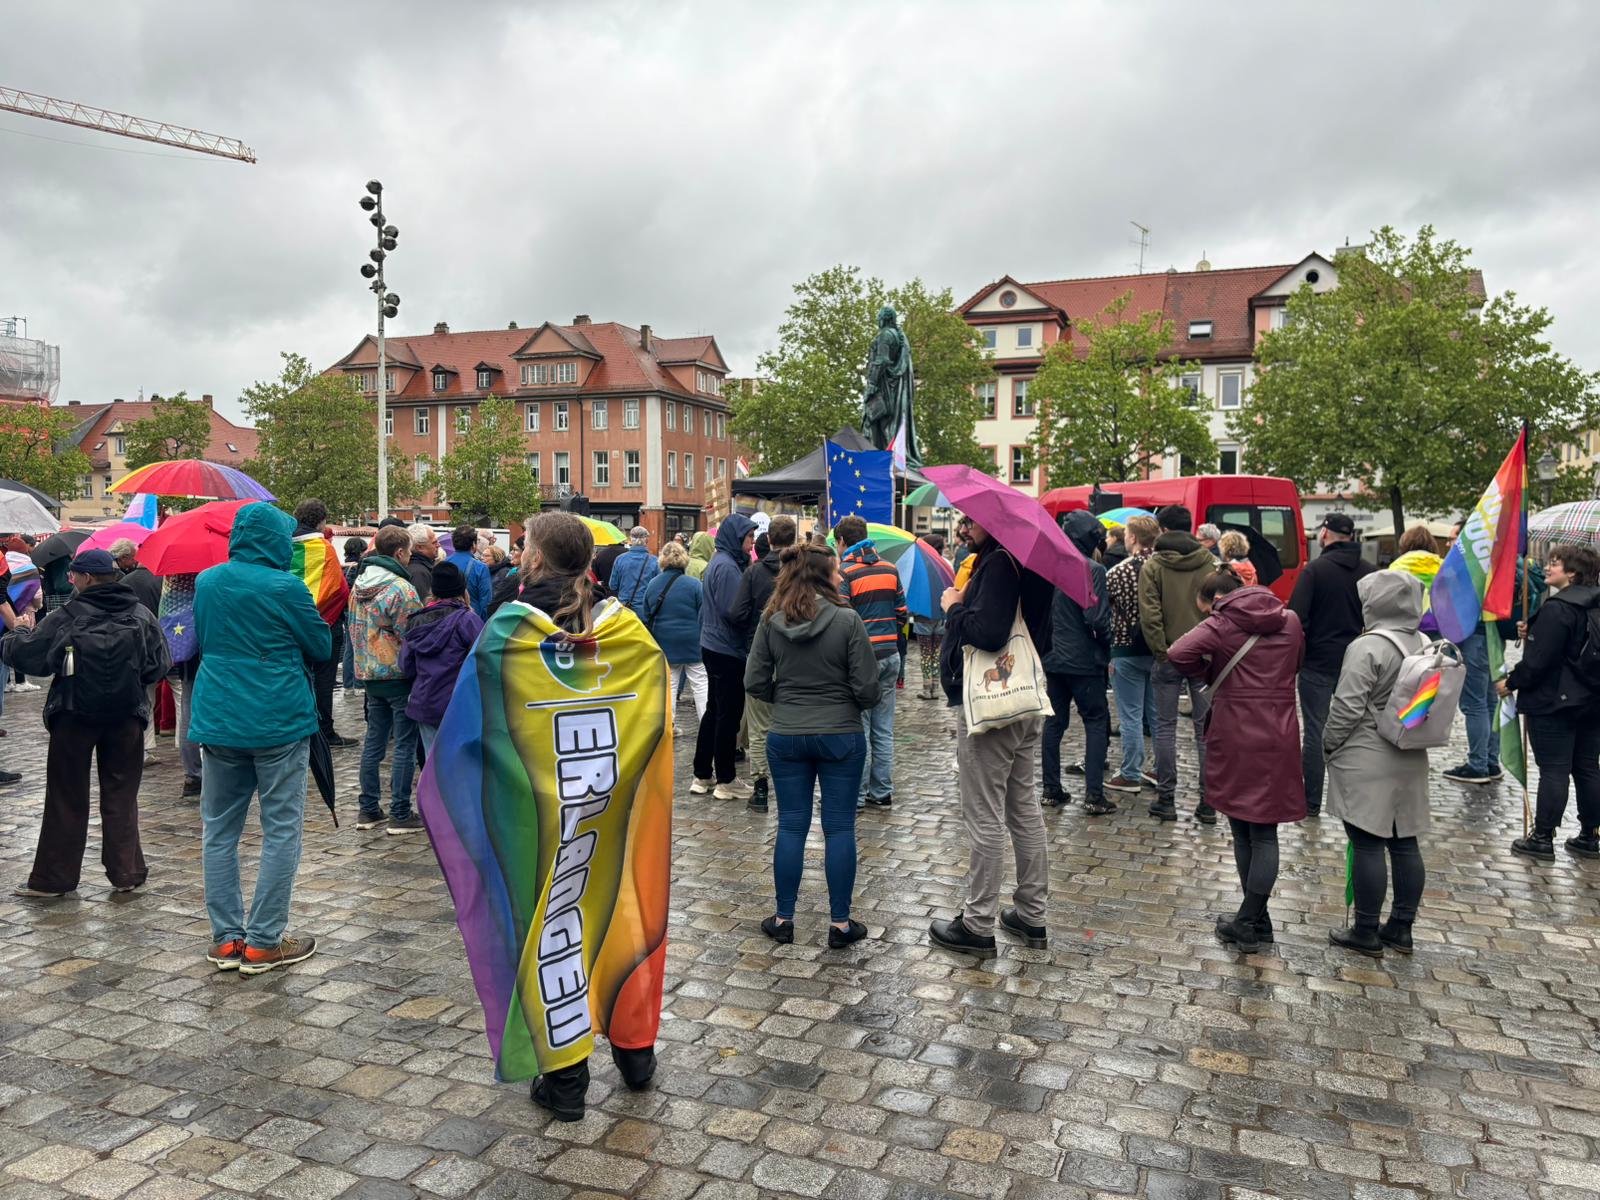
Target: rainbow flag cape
<point>1478,576</point>
<point>1415,711</point>
<point>548,798</point>
<point>316,564</point>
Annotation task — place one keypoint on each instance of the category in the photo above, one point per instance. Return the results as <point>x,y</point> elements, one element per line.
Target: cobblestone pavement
<point>1135,1057</point>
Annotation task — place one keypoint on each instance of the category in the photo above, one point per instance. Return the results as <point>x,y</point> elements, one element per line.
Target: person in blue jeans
<point>873,589</point>
<point>813,662</point>
<point>254,714</point>
<point>1131,660</point>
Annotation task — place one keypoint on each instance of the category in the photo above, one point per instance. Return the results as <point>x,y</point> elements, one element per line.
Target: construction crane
<point>70,113</point>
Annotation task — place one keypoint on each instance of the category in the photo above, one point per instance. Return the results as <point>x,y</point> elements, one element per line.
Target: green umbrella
<point>928,494</point>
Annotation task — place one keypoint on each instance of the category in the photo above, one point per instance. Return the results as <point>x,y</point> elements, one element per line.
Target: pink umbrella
<point>115,533</point>
<point>1020,524</point>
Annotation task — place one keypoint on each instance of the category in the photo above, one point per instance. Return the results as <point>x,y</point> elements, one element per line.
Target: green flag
<point>1505,712</point>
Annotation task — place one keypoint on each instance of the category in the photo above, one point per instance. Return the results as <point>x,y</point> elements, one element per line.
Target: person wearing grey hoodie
<point>722,649</point>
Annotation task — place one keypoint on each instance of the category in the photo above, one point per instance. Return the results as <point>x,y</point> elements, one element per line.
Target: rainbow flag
<point>548,798</point>
<point>316,564</point>
<point>1478,576</point>
<point>1416,710</point>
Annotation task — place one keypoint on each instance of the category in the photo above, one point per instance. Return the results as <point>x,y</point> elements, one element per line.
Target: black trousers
<point>719,728</point>
<point>1371,876</point>
<point>118,750</point>
<point>1088,692</point>
<point>323,676</point>
<point>1255,855</point>
<point>1566,745</point>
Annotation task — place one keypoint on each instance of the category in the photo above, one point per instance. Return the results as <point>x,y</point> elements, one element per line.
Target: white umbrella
<point>21,513</point>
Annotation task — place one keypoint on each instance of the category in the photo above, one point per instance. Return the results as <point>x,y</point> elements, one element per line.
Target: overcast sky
<point>684,165</point>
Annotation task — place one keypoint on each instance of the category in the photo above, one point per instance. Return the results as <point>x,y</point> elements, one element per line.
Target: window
<point>567,372</point>
<point>535,374</point>
<point>388,422</point>
<point>530,418</point>
<point>463,419</point>
<point>1228,460</point>
<point>630,413</point>
<point>1276,525</point>
<point>419,468</point>
<point>1021,406</point>
<point>672,415</point>
<point>120,445</point>
<point>1199,330</point>
<point>560,422</point>
<point>1024,336</point>
<point>722,427</point>
<point>1230,388</point>
<point>990,454</point>
<point>1019,465</point>
<point>362,381</point>
<point>533,465</point>
<point>708,476</point>
<point>105,485</point>
<point>563,468</point>
<point>231,447</point>
<point>672,468</point>
<point>600,414</point>
<point>485,380</point>
<point>986,398</point>
<point>705,422</point>
<point>388,381</point>
<point>1008,299</point>
<point>688,471</point>
<point>1280,316</point>
<point>602,468</point>
<point>631,472</point>
<point>419,420</point>
<point>440,381</point>
<point>722,468</point>
<point>1191,384</point>
<point>987,336</point>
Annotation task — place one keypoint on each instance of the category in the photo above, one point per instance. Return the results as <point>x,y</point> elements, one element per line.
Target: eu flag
<point>861,484</point>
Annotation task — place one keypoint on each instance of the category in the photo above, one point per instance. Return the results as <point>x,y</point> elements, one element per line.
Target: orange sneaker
<point>226,956</point>
<point>289,950</point>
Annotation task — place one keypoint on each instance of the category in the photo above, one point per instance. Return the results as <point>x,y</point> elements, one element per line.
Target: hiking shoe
<point>1465,774</point>
<point>1535,845</point>
<point>562,1092</point>
<point>288,951</point>
<point>1584,845</point>
<point>1121,783</point>
<point>732,790</point>
<point>370,820</point>
<point>838,938</point>
<point>954,935</point>
<point>411,824</point>
<point>781,932</point>
<point>1396,935</point>
<point>1362,941</point>
<point>1205,814</point>
<point>191,785</point>
<point>226,956</point>
<point>1098,806</point>
<point>1164,809</point>
<point>1035,937</point>
<point>31,893</point>
<point>1244,935</point>
<point>701,786</point>
<point>1264,930</point>
<point>758,796</point>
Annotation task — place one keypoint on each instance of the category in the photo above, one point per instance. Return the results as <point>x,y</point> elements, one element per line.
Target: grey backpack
<point>1426,695</point>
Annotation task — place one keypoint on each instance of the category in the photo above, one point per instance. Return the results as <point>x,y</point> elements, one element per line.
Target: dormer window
<point>1199,330</point>
<point>232,449</point>
<point>485,380</point>
<point>567,372</point>
<point>440,381</point>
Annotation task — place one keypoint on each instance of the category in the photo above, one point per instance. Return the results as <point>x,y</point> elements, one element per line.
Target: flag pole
<point>1522,717</point>
<point>823,515</point>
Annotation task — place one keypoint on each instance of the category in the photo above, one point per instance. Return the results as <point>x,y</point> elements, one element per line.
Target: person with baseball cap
<point>105,651</point>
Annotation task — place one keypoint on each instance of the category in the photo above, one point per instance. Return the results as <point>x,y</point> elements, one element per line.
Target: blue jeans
<point>798,764</point>
<point>1136,708</point>
<point>1483,749</point>
<point>427,733</point>
<point>386,714</point>
<point>877,724</point>
<point>230,776</point>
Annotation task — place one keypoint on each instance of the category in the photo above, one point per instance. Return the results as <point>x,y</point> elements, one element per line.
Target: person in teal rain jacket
<point>254,714</point>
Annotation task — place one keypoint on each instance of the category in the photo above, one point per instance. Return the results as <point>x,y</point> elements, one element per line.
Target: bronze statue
<point>891,388</point>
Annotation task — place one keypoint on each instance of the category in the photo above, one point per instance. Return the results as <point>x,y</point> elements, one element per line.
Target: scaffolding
<point>29,369</point>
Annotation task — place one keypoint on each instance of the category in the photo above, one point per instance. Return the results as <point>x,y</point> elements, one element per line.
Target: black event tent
<point>804,479</point>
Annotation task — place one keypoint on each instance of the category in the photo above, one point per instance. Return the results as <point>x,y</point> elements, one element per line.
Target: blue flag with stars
<point>861,484</point>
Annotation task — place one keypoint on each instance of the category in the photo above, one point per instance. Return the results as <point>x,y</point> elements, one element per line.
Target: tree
<point>318,436</point>
<point>177,427</point>
<point>1108,411</point>
<point>811,384</point>
<point>1404,385</point>
<point>34,449</point>
<point>486,477</point>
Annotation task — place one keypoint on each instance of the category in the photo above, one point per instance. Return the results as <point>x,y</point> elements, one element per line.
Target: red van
<point>1263,502</point>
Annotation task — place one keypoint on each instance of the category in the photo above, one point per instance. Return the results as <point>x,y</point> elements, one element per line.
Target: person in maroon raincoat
<point>1253,774</point>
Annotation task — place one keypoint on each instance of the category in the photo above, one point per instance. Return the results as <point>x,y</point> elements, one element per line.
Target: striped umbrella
<point>927,495</point>
<point>1575,524</point>
<point>1119,517</point>
<point>196,477</point>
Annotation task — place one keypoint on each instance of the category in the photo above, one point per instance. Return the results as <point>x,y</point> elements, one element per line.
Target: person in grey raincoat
<point>1378,790</point>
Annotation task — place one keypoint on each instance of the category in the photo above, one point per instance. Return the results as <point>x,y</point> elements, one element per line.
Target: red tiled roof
<point>99,417</point>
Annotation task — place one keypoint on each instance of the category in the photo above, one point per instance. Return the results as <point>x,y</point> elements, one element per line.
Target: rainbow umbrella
<point>926,495</point>
<point>24,584</point>
<point>605,533</point>
<point>924,575</point>
<point>196,477</point>
<point>1118,517</point>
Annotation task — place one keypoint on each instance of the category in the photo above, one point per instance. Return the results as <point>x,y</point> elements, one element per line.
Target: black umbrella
<point>12,485</point>
<point>322,772</point>
<point>60,545</point>
<point>1263,554</point>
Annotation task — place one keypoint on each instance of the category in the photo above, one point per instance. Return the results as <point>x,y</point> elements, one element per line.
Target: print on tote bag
<point>1005,686</point>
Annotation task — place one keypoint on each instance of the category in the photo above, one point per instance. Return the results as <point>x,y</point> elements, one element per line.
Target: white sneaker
<point>701,786</point>
<point>737,790</point>
<point>27,687</point>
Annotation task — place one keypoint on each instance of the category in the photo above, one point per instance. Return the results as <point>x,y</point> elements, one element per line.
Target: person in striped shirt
<point>873,588</point>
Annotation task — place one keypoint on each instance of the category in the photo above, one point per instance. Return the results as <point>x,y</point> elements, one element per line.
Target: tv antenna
<point>1142,241</point>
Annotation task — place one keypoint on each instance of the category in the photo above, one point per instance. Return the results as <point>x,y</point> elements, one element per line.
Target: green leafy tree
<point>486,477</point>
<point>811,384</point>
<point>1108,412</point>
<point>177,427</point>
<point>34,450</point>
<point>1405,385</point>
<point>318,436</point>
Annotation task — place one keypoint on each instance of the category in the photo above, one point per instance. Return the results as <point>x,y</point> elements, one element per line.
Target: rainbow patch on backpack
<point>574,663</point>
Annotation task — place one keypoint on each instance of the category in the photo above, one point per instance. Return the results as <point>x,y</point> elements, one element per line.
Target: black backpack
<point>103,655</point>
<point>1587,663</point>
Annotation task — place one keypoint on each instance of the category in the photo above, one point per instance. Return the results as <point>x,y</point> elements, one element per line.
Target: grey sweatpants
<point>996,777</point>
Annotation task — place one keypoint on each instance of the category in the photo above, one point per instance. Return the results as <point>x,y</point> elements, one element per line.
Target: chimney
<point>513,325</point>
<point>582,319</point>
<point>206,399</point>
<point>441,327</point>
<point>644,337</point>
<point>74,403</point>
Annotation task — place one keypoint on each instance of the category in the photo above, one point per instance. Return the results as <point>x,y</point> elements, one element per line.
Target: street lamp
<point>388,306</point>
<point>1547,476</point>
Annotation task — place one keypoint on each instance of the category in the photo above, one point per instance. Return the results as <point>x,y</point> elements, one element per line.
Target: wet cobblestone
<point>1135,1057</point>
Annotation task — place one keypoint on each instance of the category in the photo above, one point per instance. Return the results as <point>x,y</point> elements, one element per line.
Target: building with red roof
<point>634,422</point>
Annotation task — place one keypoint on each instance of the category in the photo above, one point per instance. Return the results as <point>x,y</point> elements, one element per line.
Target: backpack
<point>102,658</point>
<point>1587,663</point>
<point>1426,695</point>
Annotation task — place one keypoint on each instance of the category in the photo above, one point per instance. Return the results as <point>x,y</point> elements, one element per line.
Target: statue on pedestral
<point>891,388</point>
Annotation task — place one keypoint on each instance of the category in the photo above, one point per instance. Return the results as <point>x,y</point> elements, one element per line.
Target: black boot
<point>1362,937</point>
<point>562,1091</point>
<point>1241,928</point>
<point>1538,844</point>
<point>758,795</point>
<point>1586,844</point>
<point>1396,934</point>
<point>1164,809</point>
<point>1264,927</point>
<point>1205,814</point>
<point>637,1067</point>
<point>954,935</point>
<point>1053,797</point>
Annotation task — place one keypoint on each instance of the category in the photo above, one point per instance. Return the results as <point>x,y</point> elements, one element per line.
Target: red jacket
<point>1253,735</point>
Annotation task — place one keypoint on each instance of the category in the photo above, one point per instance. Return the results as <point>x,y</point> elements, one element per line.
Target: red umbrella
<point>189,542</point>
<point>1020,524</point>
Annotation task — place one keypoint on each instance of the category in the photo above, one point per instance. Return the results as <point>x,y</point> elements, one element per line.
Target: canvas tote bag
<point>1002,687</point>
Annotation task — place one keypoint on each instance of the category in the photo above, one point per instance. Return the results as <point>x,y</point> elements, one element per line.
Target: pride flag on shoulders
<point>316,564</point>
<point>1479,574</point>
